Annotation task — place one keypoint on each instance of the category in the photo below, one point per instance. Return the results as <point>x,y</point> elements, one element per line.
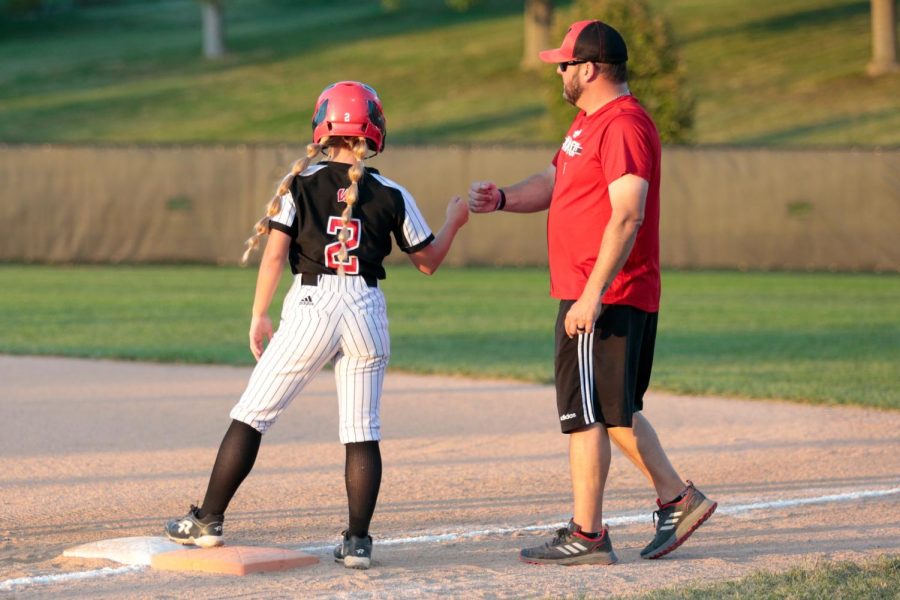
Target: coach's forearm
<point>618,240</point>
<point>627,196</point>
<point>532,194</point>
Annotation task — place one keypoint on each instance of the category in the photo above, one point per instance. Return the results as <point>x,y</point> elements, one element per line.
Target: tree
<point>656,74</point>
<point>884,38</point>
<point>213,28</point>
<point>538,25</point>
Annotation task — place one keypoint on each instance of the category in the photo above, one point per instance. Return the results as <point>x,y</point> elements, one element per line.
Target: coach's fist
<point>483,197</point>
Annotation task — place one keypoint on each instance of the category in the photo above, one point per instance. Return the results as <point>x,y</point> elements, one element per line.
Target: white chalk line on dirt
<point>624,519</point>
<point>104,572</point>
<point>728,509</point>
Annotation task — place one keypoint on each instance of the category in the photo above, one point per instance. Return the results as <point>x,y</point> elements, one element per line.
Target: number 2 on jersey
<point>332,250</point>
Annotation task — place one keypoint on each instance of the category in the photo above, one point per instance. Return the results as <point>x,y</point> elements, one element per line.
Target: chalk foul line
<point>724,509</point>
<point>62,577</point>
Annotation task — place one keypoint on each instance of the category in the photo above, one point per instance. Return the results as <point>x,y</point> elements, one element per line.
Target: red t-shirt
<point>618,139</point>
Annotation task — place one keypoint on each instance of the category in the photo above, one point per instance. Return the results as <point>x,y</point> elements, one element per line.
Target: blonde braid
<point>356,172</point>
<point>274,206</point>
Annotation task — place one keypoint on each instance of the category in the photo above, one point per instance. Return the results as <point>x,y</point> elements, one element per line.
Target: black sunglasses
<point>565,65</point>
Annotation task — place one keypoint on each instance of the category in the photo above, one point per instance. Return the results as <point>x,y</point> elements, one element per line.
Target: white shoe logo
<point>360,551</point>
<point>184,526</point>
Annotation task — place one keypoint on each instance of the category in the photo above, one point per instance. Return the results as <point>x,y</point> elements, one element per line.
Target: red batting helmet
<point>352,109</point>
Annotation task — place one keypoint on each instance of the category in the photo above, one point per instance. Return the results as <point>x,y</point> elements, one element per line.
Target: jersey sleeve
<point>286,219</point>
<point>412,232</point>
<point>627,149</point>
<point>410,229</point>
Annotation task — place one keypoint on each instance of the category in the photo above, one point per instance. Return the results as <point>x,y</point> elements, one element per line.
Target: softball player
<point>333,222</point>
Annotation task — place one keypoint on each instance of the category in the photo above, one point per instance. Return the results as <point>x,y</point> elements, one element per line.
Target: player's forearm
<point>270,269</point>
<point>434,254</point>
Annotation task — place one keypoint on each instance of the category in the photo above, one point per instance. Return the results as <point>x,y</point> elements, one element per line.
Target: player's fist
<point>483,196</point>
<point>457,212</point>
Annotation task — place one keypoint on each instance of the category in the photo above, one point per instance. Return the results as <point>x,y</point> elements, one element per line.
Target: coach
<point>602,191</point>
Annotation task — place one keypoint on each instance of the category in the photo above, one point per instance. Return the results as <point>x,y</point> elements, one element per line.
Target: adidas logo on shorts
<point>568,416</point>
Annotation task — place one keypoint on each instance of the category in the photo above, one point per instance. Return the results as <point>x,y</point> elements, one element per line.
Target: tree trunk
<point>538,21</point>
<point>213,29</point>
<point>884,38</point>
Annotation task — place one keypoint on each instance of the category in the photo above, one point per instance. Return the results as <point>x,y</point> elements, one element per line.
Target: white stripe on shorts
<point>586,372</point>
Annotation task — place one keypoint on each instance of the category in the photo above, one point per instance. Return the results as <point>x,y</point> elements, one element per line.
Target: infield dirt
<point>99,449</point>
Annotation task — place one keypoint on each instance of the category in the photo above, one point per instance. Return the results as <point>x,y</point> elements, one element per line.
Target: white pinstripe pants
<point>340,320</point>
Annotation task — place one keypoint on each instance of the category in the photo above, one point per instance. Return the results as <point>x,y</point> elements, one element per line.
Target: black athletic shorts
<point>601,376</point>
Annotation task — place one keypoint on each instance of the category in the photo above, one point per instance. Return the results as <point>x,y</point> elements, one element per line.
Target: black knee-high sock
<point>362,474</point>
<point>234,461</point>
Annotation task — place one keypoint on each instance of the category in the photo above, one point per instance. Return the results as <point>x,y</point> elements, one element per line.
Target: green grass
<point>874,580</point>
<point>832,338</point>
<point>785,72</point>
<point>798,336</point>
<point>779,72</point>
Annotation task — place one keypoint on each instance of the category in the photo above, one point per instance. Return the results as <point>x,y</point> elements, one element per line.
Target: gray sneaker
<point>676,521</point>
<point>190,530</point>
<point>355,552</point>
<point>571,547</point>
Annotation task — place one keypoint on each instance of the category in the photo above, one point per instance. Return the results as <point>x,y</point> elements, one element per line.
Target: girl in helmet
<point>333,222</point>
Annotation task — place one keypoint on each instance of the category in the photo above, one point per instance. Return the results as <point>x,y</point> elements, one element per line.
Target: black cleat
<point>355,552</point>
<point>190,530</point>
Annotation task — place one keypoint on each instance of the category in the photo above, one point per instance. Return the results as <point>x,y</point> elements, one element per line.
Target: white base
<point>128,551</point>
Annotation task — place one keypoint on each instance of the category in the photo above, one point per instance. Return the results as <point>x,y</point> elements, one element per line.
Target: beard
<point>572,91</point>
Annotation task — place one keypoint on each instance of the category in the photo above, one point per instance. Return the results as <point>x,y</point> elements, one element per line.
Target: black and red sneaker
<point>676,521</point>
<point>571,547</point>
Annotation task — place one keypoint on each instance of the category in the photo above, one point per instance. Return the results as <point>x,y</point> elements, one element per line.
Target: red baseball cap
<point>589,41</point>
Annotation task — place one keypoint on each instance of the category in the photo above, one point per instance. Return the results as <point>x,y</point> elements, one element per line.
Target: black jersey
<point>311,215</point>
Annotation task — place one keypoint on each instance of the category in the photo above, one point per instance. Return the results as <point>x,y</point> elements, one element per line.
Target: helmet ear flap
<point>376,118</point>
<point>320,114</point>
<point>320,125</point>
<point>375,115</point>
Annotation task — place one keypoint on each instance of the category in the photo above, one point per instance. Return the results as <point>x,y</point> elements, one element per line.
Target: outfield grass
<point>832,338</point>
<point>875,580</point>
<point>774,72</point>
